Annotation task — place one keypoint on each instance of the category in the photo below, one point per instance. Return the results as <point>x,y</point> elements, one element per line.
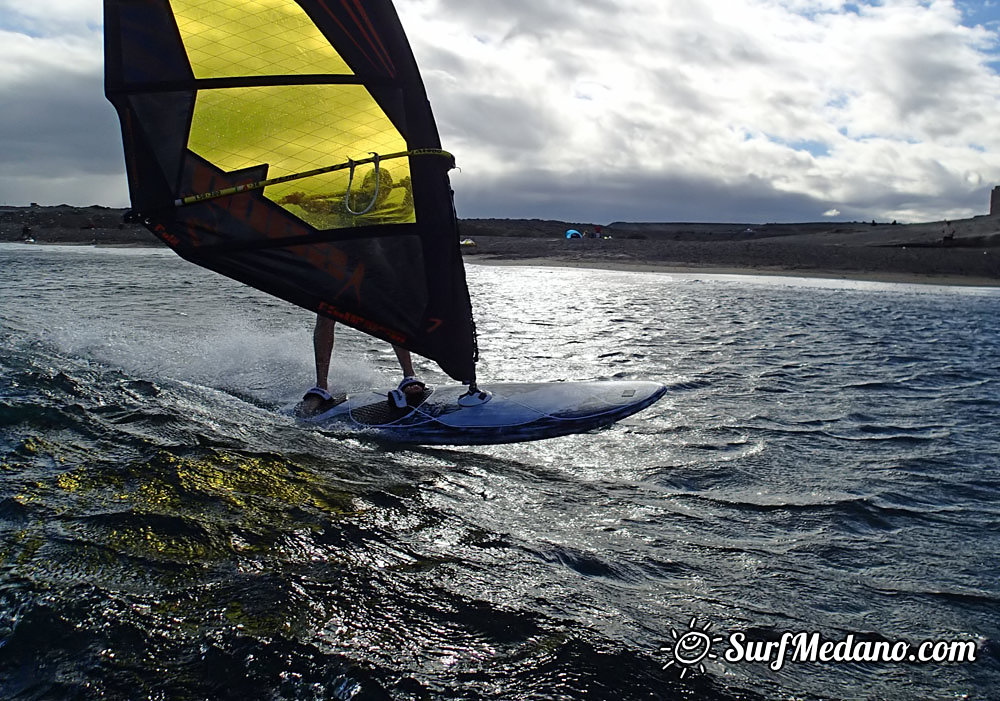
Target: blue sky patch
<point>980,12</point>
<point>21,25</point>
<point>817,148</point>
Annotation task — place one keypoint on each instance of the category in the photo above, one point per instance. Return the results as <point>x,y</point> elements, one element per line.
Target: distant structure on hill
<point>995,202</point>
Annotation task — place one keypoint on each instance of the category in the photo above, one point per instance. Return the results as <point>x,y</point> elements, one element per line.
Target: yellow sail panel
<point>236,38</point>
<point>291,129</point>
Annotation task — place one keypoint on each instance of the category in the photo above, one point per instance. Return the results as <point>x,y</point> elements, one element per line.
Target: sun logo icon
<point>691,649</point>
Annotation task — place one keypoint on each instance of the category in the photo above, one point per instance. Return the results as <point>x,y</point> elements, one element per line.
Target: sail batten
<point>289,144</point>
<point>200,197</point>
<point>255,81</point>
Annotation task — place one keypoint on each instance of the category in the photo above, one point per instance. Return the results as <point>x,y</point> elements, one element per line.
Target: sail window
<point>289,128</point>
<point>225,39</point>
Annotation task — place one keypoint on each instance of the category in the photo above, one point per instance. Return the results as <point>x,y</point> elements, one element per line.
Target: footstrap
<point>398,398</point>
<point>318,392</point>
<point>411,381</point>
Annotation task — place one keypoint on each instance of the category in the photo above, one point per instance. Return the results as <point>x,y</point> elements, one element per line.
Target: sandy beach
<point>965,252</point>
<point>654,267</point>
<point>962,252</point>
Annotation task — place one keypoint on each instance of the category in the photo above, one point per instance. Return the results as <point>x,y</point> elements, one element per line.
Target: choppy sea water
<point>826,460</point>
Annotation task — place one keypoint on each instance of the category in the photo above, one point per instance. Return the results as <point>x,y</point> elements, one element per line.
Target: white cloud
<point>51,17</point>
<point>896,98</point>
<point>34,60</point>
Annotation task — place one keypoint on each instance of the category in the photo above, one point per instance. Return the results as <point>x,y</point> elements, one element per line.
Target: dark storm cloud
<point>633,197</point>
<point>675,196</point>
<point>497,123</point>
<point>58,124</point>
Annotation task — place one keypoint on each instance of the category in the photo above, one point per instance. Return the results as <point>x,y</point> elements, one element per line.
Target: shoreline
<point>955,253</point>
<point>500,260</point>
<point>668,269</point>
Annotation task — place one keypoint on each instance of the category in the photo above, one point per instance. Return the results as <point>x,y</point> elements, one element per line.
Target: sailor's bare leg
<point>405,360</point>
<point>322,349</point>
<point>323,337</point>
<point>406,363</point>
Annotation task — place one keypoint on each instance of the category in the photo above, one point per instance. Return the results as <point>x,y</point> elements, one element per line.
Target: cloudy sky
<point>610,110</point>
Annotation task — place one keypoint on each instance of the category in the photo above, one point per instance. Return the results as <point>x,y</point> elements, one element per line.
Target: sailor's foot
<point>316,401</point>
<point>409,390</point>
<point>474,397</point>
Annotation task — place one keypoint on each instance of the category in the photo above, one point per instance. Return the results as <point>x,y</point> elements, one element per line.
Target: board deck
<point>517,412</point>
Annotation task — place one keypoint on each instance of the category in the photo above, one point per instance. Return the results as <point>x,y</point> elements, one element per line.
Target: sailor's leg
<point>323,337</point>
<point>318,399</point>
<point>405,360</point>
<point>410,385</point>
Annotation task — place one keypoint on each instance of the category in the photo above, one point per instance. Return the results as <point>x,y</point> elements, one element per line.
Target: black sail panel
<point>315,110</point>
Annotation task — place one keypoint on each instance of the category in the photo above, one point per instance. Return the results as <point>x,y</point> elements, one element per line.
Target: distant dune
<point>72,225</point>
<point>963,251</point>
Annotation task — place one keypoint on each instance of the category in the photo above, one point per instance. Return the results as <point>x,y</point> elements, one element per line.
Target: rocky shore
<point>956,252</point>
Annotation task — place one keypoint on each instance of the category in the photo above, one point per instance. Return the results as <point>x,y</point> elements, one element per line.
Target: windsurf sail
<point>289,144</point>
